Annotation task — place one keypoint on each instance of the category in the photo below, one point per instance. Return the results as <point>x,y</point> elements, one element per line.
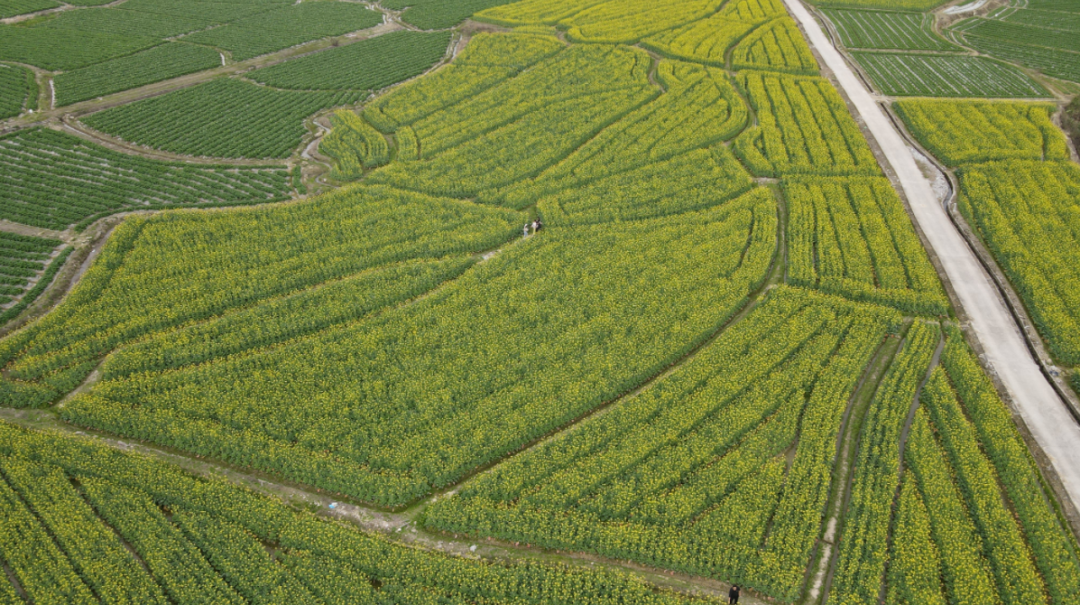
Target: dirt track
<point>1006,351</point>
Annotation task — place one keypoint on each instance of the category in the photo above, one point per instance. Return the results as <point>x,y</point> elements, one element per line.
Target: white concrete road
<point>1042,410</point>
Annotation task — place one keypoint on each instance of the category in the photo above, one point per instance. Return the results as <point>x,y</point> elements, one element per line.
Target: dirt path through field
<point>1006,351</point>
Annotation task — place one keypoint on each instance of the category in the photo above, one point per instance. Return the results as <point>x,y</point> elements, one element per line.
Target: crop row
<point>1016,470</point>
<point>886,30</point>
<point>1050,61</point>
<point>18,90</point>
<point>354,145</point>
<point>283,319</point>
<point>370,64</point>
<point>460,387</point>
<point>436,14</point>
<point>225,118</point>
<point>13,8</point>
<point>606,21</point>
<point>967,574</point>
<point>194,266</point>
<point>946,76</point>
<point>804,129</point>
<point>973,131</point>
<point>1026,213</point>
<point>287,26</point>
<point>692,181</point>
<point>21,258</point>
<point>775,46</point>
<point>852,237</point>
<point>862,552</point>
<point>163,62</point>
<point>52,179</point>
<point>684,474</point>
<point>202,540</point>
<point>699,109</point>
<point>1004,545</point>
<point>706,41</point>
<point>914,562</point>
<point>487,61</point>
<point>522,126</point>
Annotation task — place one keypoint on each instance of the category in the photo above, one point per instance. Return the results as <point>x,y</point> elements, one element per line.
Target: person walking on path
<point>733,594</point>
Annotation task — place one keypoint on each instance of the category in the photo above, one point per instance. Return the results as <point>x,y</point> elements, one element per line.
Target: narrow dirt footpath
<point>1006,351</point>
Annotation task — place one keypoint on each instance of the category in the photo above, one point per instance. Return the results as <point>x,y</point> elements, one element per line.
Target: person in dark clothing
<point>733,595</point>
<point>538,225</point>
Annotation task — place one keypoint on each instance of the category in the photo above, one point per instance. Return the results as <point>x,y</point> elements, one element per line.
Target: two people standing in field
<point>536,226</point>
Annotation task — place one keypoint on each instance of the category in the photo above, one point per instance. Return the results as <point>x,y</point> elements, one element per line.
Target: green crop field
<point>22,260</point>
<point>284,27</point>
<point>924,75</point>
<point>890,5</point>
<point>367,65</point>
<point>886,30</point>
<point>154,65</point>
<point>12,8</point>
<point>51,179</point>
<point>18,90</point>
<point>1040,35</point>
<point>225,118</point>
<point>508,302</point>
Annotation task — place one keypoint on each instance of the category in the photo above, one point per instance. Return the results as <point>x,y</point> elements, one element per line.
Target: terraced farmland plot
<point>1005,30</point>
<point>705,41</point>
<point>971,131</point>
<point>660,159</point>
<point>53,180</point>
<point>12,8</point>
<point>886,30</point>
<point>893,5</point>
<point>690,473</point>
<point>122,22</point>
<point>224,118</point>
<point>1052,62</point>
<point>137,530</point>
<point>487,61</point>
<point>1026,212</point>
<point>610,21</point>
<point>225,258</point>
<point>957,540</point>
<point>66,49</point>
<point>520,127</point>
<point>851,237</point>
<point>18,90</point>
<point>1049,19</point>
<point>776,46</point>
<point>284,27</point>
<point>154,65</point>
<point>946,76</point>
<point>438,14</point>
<point>370,64</point>
<point>213,10</point>
<point>22,259</point>
<point>804,129</point>
<point>719,256</point>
